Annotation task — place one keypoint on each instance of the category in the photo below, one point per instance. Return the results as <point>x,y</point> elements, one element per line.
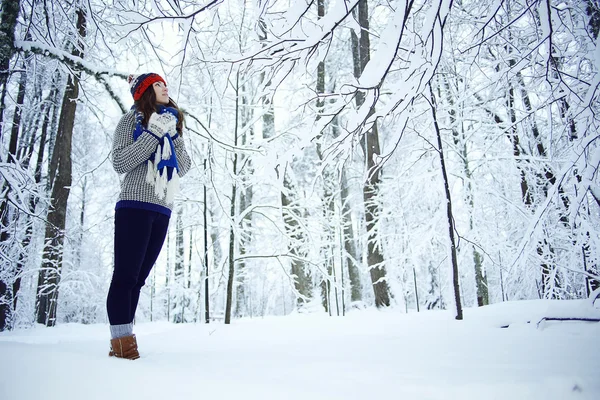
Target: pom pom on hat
<point>139,83</point>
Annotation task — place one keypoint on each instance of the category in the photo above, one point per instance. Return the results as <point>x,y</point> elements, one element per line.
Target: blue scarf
<point>162,166</point>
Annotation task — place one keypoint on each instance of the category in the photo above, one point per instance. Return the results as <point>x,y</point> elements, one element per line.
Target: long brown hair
<point>147,105</point>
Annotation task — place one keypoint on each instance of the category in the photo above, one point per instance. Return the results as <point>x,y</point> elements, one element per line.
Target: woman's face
<point>162,93</point>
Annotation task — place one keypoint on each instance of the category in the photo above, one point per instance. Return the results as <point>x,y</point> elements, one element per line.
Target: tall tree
<point>48,110</point>
<point>328,182</point>
<point>8,22</point>
<point>350,254</point>
<point>179,271</point>
<point>296,238</point>
<point>246,192</point>
<point>361,49</point>
<point>290,211</point>
<point>232,209</point>
<point>449,211</point>
<point>8,216</point>
<point>60,180</point>
<point>205,243</point>
<point>460,142</point>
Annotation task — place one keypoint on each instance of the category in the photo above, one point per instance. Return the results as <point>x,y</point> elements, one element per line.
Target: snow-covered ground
<point>368,354</point>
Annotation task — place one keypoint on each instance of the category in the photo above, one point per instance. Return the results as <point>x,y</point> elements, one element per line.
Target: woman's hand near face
<point>161,124</point>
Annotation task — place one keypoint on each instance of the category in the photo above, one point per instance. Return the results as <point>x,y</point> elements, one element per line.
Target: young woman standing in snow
<point>148,148</point>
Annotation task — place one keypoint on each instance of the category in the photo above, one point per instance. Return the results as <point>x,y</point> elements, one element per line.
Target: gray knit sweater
<point>129,158</point>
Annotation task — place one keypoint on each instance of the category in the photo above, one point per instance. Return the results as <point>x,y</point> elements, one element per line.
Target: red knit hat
<point>139,83</point>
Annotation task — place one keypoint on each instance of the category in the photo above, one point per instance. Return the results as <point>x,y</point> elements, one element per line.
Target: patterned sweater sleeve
<point>127,153</point>
<point>183,158</point>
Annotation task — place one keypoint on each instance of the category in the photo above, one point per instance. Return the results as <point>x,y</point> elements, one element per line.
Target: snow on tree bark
<point>370,145</point>
<point>60,179</point>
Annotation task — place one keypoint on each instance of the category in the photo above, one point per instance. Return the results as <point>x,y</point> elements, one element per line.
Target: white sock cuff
<point>117,331</point>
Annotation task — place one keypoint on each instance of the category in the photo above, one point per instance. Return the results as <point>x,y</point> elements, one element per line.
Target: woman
<point>148,148</point>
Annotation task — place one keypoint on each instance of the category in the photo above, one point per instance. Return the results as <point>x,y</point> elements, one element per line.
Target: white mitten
<point>160,124</point>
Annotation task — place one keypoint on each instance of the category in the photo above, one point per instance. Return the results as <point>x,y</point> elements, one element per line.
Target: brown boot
<point>124,347</point>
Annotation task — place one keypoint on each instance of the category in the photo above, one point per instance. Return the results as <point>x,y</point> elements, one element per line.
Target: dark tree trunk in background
<point>79,244</point>
<point>231,275</point>
<point>245,202</point>
<point>48,111</point>
<point>8,22</point>
<point>351,255</point>
<point>232,211</point>
<point>190,247</point>
<point>16,124</point>
<point>361,49</point>
<point>179,270</point>
<point>550,279</point>
<point>449,214</point>
<point>518,151</point>
<point>328,180</point>
<point>205,237</point>
<point>168,275</point>
<point>302,282</point>
<point>60,179</point>
<point>8,216</point>
<point>593,11</point>
<point>461,145</point>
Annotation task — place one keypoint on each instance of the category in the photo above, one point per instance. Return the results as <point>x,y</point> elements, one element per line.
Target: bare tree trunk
<point>450,216</point>
<point>240,295</point>
<point>291,214</point>
<point>205,237</point>
<point>48,110</point>
<point>230,278</point>
<point>461,144</point>
<point>327,182</point>
<point>245,202</point>
<point>168,275</point>
<point>268,118</point>
<point>325,292</point>
<point>370,144</point>
<point>7,217</point>
<point>550,279</point>
<point>564,107</point>
<point>329,190</point>
<point>483,298</point>
<point>351,255</point>
<point>518,151</point>
<point>81,221</point>
<point>593,11</point>
<point>8,22</point>
<point>190,247</point>
<point>179,269</point>
<point>302,282</point>
<point>7,295</point>
<point>232,211</point>
<point>16,124</point>
<point>60,177</point>
<point>416,289</point>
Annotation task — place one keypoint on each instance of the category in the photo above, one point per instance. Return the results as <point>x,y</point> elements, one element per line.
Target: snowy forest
<point>346,154</point>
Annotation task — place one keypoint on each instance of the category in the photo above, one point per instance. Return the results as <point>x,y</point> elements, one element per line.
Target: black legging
<point>139,236</point>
